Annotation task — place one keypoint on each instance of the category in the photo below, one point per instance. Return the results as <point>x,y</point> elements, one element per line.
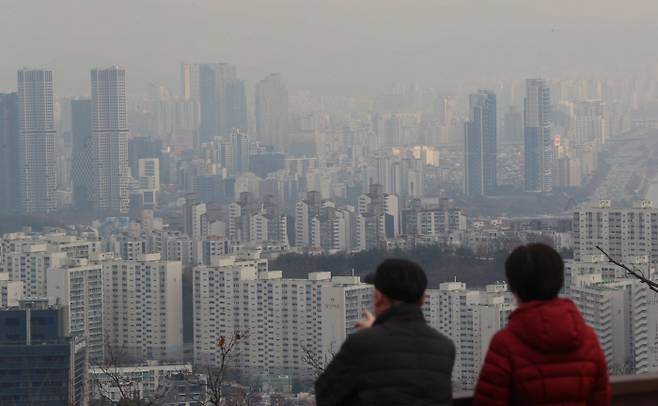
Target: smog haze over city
<point>192,192</point>
<point>334,44</point>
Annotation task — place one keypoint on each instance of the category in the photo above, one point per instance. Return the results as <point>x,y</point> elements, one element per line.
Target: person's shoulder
<point>387,332</point>
<point>501,340</point>
<point>440,341</point>
<point>361,338</point>
<point>436,334</point>
<point>589,331</point>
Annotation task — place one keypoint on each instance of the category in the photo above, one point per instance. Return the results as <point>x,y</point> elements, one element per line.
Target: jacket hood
<point>550,326</point>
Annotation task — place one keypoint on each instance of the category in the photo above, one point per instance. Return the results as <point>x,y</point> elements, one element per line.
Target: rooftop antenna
<point>455,278</point>
<point>352,271</point>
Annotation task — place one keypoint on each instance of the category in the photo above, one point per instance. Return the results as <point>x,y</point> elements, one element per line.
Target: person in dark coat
<point>395,358</point>
<point>546,355</point>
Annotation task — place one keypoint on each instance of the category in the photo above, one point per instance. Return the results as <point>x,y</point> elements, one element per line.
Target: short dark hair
<point>399,279</point>
<point>535,272</point>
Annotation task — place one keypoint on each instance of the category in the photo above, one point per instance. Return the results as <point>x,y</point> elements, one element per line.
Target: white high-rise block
<point>343,303</point>
<point>109,140</point>
<point>10,291</point>
<point>622,313</point>
<point>302,225</point>
<point>281,321</point>
<point>143,310</point>
<point>216,292</point>
<point>30,264</point>
<point>36,141</point>
<point>149,180</point>
<point>622,233</point>
<point>469,318</point>
<point>196,224</point>
<point>80,289</point>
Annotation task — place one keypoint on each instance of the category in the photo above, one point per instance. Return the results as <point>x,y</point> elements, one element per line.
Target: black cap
<point>399,279</point>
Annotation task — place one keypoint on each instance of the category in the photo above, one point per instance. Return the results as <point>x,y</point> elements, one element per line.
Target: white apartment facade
<point>622,233</point>
<point>143,307</point>
<point>281,321</point>
<point>73,246</point>
<point>623,313</point>
<point>149,180</point>
<point>30,264</point>
<point>79,287</point>
<point>11,292</point>
<point>470,318</point>
<point>177,247</point>
<point>302,225</point>
<point>377,219</point>
<point>342,304</point>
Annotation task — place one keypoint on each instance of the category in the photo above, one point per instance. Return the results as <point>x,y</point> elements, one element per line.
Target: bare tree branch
<point>638,274</point>
<point>317,363</point>
<point>129,391</point>
<point>216,374</point>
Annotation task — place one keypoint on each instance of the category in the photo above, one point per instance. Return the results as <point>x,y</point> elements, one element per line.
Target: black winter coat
<point>400,360</point>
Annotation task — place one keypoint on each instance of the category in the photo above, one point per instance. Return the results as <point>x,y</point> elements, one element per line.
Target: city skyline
<point>194,197</point>
<point>567,159</point>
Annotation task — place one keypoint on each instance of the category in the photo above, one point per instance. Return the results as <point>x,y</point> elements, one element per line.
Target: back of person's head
<point>399,280</point>
<point>535,272</point>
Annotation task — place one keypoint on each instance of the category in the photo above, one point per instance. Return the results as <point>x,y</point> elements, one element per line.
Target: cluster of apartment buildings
<point>321,225</point>
<point>135,306</point>
<point>119,296</point>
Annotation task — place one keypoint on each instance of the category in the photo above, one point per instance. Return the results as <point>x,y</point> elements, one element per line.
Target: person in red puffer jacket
<point>547,354</point>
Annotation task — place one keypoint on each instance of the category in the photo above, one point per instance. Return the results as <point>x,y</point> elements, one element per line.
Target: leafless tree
<point>112,380</point>
<point>317,363</point>
<point>636,273</point>
<point>622,369</point>
<point>216,373</point>
<point>242,396</point>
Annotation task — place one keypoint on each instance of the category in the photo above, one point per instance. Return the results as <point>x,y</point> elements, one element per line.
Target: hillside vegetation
<point>440,265</point>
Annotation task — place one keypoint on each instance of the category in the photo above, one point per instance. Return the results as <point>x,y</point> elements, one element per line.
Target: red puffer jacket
<point>546,355</point>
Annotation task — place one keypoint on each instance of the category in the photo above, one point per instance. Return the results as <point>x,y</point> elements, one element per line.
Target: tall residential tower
<point>110,140</point>
<point>271,110</point>
<point>82,170</point>
<point>223,101</point>
<point>480,145</point>
<point>9,157</point>
<point>538,162</point>
<point>36,141</point>
<point>189,81</point>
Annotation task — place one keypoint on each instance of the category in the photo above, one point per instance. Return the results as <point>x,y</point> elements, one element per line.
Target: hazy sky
<point>325,42</point>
